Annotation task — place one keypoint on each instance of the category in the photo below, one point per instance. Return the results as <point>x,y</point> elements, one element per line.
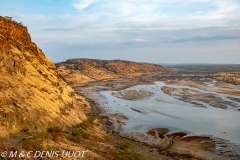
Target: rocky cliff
<point>32,96</point>
<point>85,70</point>
<point>233,78</point>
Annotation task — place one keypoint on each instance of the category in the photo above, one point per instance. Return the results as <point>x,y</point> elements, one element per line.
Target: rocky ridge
<point>39,111</point>
<point>233,78</point>
<point>76,71</point>
<point>32,96</point>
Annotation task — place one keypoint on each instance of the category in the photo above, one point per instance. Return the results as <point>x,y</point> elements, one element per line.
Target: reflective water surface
<point>161,110</point>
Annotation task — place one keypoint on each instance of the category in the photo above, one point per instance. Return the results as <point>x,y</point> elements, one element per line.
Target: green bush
<point>78,134</point>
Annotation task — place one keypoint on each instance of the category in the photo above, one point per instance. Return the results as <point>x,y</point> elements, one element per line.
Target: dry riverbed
<point>163,143</point>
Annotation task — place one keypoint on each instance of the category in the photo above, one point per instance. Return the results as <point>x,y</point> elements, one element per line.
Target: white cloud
<point>165,26</point>
<point>159,14</point>
<point>82,4</point>
<point>65,15</point>
<point>140,40</point>
<point>40,17</point>
<point>33,17</point>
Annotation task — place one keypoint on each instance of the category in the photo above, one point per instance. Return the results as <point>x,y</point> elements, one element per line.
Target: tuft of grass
<point>123,147</point>
<point>56,132</point>
<point>35,143</point>
<point>42,135</point>
<point>89,123</point>
<point>108,138</point>
<point>85,125</point>
<point>83,133</point>
<point>121,152</point>
<point>32,144</point>
<point>78,134</point>
<point>98,138</point>
<point>92,119</point>
<point>52,148</point>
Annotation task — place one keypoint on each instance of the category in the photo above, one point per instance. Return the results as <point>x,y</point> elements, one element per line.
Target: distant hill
<point>205,68</point>
<point>85,70</point>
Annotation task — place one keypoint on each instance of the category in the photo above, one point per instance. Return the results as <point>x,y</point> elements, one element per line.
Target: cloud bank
<point>140,30</point>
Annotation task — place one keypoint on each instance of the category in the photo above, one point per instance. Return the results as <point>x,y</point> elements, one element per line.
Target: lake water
<point>161,110</point>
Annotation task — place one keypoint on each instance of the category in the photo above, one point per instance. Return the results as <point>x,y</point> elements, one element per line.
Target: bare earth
<point>132,94</point>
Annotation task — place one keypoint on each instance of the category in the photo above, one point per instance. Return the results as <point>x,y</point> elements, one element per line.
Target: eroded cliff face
<point>78,71</point>
<point>32,96</point>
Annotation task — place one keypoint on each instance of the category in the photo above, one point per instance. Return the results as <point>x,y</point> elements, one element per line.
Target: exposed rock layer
<point>32,95</point>
<point>85,70</point>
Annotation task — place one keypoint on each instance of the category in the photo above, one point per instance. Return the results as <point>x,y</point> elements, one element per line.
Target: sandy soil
<point>196,84</point>
<point>189,95</point>
<point>227,91</point>
<point>132,94</point>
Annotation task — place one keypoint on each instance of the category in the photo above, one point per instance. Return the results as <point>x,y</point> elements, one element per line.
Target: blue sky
<point>158,31</point>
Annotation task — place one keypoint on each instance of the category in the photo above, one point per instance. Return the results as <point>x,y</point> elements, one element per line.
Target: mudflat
<point>127,104</point>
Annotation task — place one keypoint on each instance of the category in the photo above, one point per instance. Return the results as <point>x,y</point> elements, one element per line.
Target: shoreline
<point>123,83</point>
